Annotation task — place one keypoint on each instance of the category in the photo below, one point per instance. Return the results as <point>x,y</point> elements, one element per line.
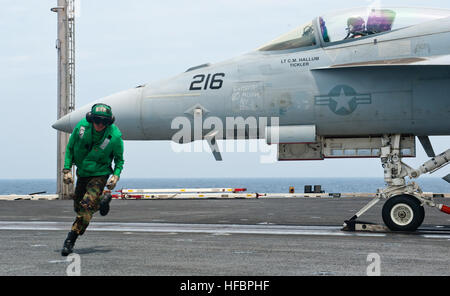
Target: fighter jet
<point>359,83</point>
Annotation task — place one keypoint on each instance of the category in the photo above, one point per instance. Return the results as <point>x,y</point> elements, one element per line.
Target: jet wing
<point>443,60</point>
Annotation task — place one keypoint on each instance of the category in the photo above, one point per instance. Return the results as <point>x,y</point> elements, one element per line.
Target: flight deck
<point>264,236</point>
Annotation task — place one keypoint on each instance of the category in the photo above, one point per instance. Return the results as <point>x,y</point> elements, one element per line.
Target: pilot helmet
<point>355,24</point>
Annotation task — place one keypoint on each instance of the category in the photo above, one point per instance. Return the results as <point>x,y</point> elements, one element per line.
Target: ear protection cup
<point>89,117</point>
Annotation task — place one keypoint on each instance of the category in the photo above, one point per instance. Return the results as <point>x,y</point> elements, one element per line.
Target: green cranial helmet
<point>100,113</point>
<point>101,110</point>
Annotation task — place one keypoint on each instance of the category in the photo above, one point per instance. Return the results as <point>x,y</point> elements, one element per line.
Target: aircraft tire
<point>403,213</point>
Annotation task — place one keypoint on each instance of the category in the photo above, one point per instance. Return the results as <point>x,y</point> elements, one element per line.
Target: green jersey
<point>93,152</point>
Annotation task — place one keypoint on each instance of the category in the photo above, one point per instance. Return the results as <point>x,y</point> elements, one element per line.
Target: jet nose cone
<point>63,124</point>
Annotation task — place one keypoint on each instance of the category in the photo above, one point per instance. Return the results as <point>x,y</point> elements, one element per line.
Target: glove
<point>112,182</point>
<point>68,178</point>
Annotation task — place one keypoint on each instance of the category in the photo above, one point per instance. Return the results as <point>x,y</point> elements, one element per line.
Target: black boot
<point>104,204</point>
<point>69,243</point>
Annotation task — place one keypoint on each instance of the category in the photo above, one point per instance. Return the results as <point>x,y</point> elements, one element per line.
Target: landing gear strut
<point>403,210</point>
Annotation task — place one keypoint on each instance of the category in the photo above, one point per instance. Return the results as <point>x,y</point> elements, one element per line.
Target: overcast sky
<point>122,44</point>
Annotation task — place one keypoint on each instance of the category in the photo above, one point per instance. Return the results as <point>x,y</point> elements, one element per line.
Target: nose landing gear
<point>403,210</point>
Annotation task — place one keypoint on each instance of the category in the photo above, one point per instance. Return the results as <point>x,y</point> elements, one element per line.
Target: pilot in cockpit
<point>356,27</point>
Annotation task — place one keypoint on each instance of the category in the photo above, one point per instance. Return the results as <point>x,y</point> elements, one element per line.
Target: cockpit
<point>351,24</point>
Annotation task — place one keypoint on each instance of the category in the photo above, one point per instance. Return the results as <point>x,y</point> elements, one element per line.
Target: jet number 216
<point>214,82</point>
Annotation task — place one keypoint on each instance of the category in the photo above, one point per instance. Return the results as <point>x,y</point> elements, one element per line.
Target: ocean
<point>260,185</point>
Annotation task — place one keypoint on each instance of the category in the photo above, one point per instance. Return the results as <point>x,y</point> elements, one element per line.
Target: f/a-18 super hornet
<point>360,83</point>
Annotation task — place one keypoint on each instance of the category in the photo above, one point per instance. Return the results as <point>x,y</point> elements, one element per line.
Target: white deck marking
<point>264,228</point>
<point>216,229</point>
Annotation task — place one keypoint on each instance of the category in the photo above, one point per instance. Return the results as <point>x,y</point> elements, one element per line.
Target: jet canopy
<point>299,37</point>
<point>353,23</point>
<point>360,22</point>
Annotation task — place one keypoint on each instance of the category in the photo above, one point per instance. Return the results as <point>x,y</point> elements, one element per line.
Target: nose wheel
<point>403,213</point>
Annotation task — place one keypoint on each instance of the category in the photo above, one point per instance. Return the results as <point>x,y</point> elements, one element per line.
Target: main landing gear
<point>403,210</point>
